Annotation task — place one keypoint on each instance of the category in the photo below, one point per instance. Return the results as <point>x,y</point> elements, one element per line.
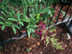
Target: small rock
<point>27,43</point>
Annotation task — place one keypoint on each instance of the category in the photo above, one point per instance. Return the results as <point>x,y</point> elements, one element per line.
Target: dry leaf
<point>68,39</point>
<point>30,48</point>
<point>38,43</point>
<point>23,31</point>
<point>65,45</point>
<point>55,30</point>
<point>33,45</point>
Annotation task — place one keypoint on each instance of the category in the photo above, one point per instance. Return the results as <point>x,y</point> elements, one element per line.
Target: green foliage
<point>27,50</point>
<point>14,13</point>
<point>53,40</point>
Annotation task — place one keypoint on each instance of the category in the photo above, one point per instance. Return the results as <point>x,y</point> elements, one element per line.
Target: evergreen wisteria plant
<point>15,13</point>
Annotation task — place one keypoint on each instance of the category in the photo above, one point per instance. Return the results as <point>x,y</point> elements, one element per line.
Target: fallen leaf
<point>38,43</point>
<point>30,48</point>
<point>65,45</point>
<point>68,38</point>
<point>23,31</point>
<point>33,45</point>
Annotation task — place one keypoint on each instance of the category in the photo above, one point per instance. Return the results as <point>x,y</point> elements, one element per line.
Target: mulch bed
<point>32,46</point>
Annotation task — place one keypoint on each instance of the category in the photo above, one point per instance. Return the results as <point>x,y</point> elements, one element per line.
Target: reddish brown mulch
<point>38,47</point>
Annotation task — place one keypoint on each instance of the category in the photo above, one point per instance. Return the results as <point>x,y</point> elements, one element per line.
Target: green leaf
<point>47,40</point>
<point>32,30</point>
<point>50,13</point>
<point>22,2</point>
<point>51,31</point>
<point>45,9</point>
<point>26,20</point>
<point>10,23</point>
<point>4,13</point>
<point>3,27</point>
<point>36,8</point>
<point>18,16</point>
<point>34,22</point>
<point>24,13</point>
<point>2,18</point>
<point>1,23</point>
<point>27,26</point>
<point>25,2</point>
<point>28,31</point>
<point>16,26</point>
<point>40,7</point>
<point>7,2</point>
<point>13,19</point>
<point>54,35</point>
<point>21,23</point>
<point>29,1</point>
<point>14,29</point>
<point>42,38</point>
<point>53,40</point>
<point>40,0</point>
<point>3,2</point>
<point>33,11</point>
<point>11,14</point>
<point>32,17</point>
<point>33,26</point>
<point>34,2</point>
<point>38,17</point>
<point>63,13</point>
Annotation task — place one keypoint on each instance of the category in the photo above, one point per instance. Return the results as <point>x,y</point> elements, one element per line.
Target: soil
<point>36,46</point>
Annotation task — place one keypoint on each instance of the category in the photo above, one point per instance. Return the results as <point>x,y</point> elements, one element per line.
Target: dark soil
<point>32,46</point>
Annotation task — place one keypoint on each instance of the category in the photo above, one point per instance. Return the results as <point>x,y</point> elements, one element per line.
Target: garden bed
<point>32,46</point>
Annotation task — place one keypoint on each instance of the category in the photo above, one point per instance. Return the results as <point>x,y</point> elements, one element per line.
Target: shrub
<point>15,13</point>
